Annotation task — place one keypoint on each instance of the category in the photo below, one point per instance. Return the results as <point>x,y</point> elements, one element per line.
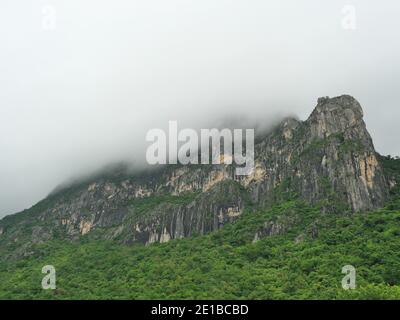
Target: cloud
<point>84,91</point>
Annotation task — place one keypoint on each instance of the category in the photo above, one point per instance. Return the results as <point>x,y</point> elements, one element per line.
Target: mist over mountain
<point>328,159</point>
<point>83,94</point>
<point>193,150</point>
<point>318,198</point>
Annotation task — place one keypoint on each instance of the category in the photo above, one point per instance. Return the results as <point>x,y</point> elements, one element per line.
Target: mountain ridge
<point>314,203</point>
<point>328,159</point>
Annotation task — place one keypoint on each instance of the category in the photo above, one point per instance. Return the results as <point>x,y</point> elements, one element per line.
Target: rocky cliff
<point>328,160</point>
<point>331,154</point>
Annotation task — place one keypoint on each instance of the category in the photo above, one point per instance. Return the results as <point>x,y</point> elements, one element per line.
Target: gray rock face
<point>328,159</point>
<point>331,154</point>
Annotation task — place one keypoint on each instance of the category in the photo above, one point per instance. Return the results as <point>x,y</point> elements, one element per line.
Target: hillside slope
<point>303,260</point>
<point>319,198</point>
<point>329,158</point>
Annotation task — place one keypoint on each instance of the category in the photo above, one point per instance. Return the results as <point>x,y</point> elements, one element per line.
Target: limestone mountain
<point>328,159</point>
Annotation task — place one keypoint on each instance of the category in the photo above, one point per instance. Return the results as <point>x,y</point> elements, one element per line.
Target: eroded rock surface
<point>328,158</point>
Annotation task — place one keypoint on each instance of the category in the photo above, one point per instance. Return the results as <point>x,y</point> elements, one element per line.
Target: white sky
<point>84,93</point>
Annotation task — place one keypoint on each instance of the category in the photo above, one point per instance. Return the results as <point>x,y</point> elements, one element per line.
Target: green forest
<point>302,260</point>
<point>226,264</point>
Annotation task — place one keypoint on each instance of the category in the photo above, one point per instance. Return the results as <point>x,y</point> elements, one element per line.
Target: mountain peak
<point>328,160</point>
<point>337,115</point>
<point>342,102</point>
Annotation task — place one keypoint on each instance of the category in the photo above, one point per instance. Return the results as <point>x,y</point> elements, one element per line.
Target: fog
<point>81,82</point>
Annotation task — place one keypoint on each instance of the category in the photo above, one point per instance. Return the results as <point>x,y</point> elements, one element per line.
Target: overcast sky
<point>81,82</point>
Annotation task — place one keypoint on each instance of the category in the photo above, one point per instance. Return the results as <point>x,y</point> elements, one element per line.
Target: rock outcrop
<point>329,160</point>
<point>331,154</point>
